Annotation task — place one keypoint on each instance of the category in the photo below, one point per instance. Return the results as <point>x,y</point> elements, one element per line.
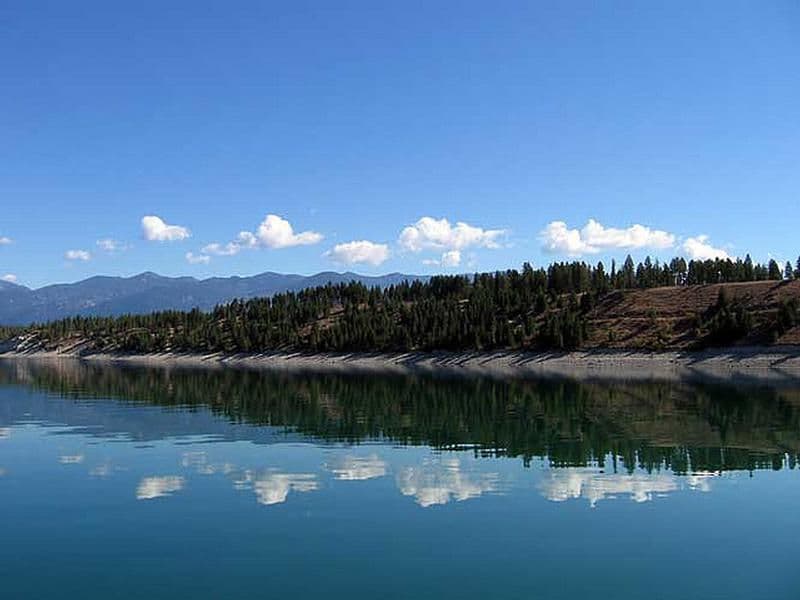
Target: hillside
<point>528,310</point>
<point>149,292</point>
<point>666,317</point>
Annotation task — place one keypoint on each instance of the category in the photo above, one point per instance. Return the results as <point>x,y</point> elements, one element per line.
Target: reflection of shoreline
<point>560,485</point>
<point>651,425</point>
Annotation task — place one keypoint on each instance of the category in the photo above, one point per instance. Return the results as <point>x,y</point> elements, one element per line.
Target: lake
<point>128,482</point>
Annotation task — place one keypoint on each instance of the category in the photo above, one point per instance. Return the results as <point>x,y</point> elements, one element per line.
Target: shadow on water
<point>678,426</point>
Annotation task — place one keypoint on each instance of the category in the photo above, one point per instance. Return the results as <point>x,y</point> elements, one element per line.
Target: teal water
<point>136,483</point>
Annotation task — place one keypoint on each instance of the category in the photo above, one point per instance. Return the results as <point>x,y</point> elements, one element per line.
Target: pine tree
<point>774,271</point>
<point>788,273</point>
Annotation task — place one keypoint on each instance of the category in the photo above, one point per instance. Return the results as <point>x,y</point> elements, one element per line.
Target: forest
<point>537,308</point>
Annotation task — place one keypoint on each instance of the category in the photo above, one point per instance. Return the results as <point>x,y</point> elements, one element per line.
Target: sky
<point>214,139</point>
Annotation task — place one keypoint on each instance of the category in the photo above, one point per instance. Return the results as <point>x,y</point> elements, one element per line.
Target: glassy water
<point>137,483</point>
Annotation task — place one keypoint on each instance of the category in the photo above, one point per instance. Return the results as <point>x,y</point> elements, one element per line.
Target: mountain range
<point>147,292</point>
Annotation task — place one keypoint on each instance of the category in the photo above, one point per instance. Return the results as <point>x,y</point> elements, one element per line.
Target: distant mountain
<point>147,292</point>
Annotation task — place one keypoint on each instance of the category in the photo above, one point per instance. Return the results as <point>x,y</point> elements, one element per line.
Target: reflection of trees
<point>665,425</point>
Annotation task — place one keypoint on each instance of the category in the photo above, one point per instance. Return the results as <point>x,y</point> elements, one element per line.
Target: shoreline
<point>772,365</point>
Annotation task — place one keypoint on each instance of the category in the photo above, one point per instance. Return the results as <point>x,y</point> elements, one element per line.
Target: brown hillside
<point>667,317</point>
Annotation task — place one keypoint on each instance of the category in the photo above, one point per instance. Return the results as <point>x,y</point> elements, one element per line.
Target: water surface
<point>159,483</point>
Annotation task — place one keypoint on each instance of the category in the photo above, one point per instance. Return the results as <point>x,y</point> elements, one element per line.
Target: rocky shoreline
<point>759,364</point>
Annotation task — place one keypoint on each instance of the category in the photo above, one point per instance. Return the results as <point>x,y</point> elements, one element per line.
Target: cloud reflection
<point>71,459</point>
<point>5,433</point>
<point>273,487</point>
<point>438,481</point>
<point>559,485</point>
<point>156,487</point>
<point>358,468</point>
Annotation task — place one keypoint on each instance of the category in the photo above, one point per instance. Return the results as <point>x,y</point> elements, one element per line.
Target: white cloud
<point>698,248</point>
<point>277,232</point>
<point>451,258</point>
<point>156,487</point>
<point>361,251</point>
<point>9,277</point>
<point>557,238</point>
<point>273,232</point>
<point>77,255</point>
<point>5,433</point>
<point>438,481</point>
<point>358,468</point>
<point>197,259</point>
<point>111,245</point>
<point>5,241</point>
<point>244,240</point>
<point>154,229</point>
<point>437,234</point>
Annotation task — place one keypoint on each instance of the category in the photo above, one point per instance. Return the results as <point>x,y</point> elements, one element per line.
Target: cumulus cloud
<point>558,238</point>
<point>273,232</point>
<point>5,241</point>
<point>197,259</point>
<point>451,258</point>
<point>9,277</point>
<point>699,248</point>
<point>361,251</point>
<point>154,229</point>
<point>438,234</point>
<point>77,255</point>
<point>277,232</point>
<point>111,245</point>
<point>244,240</point>
<point>156,487</point>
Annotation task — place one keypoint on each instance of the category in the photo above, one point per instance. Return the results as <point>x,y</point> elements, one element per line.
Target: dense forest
<point>543,308</point>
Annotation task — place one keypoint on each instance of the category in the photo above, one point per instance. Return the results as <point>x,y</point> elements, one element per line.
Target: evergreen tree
<point>774,271</point>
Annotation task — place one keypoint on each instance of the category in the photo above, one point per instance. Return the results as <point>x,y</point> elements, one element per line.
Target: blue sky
<point>373,121</point>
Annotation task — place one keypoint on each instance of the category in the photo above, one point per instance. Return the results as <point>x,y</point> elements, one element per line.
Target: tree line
<point>529,308</point>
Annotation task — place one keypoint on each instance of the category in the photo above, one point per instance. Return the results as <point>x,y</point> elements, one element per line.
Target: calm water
<point>134,483</point>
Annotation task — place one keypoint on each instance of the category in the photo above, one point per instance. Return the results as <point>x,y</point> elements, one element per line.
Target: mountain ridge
<point>106,295</point>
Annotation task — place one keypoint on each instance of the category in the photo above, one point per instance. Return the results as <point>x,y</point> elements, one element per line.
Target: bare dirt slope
<point>667,317</point>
